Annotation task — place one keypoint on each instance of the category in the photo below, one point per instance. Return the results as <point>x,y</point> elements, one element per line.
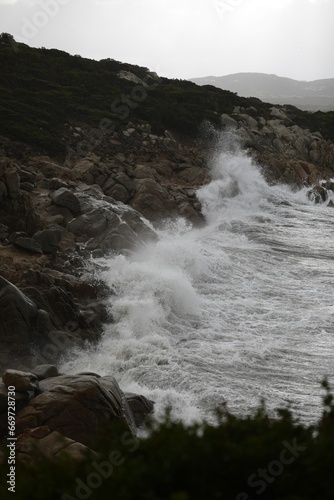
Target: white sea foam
<point>236,311</point>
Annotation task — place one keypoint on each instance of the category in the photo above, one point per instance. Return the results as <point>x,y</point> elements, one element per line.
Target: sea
<point>237,312</point>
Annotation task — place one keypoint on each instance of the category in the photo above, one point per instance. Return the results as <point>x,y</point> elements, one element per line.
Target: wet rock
<point>110,228</point>
<point>140,407</point>
<point>75,406</point>
<point>318,194</point>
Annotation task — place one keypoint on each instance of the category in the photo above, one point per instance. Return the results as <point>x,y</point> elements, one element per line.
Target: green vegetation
<point>240,458</point>
<point>318,121</point>
<point>41,90</point>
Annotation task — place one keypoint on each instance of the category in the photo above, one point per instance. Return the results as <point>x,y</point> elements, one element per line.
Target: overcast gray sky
<point>184,38</point>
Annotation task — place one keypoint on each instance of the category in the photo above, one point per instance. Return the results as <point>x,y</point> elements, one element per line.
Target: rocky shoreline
<point>57,414</point>
<point>58,215</point>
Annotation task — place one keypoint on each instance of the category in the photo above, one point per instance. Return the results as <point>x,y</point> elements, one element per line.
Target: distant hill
<point>312,96</point>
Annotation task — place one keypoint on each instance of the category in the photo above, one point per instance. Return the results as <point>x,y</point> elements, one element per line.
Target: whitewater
<point>237,311</point>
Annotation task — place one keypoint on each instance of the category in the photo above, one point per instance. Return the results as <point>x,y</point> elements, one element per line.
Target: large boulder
<point>63,197</point>
<point>48,239</point>
<point>76,405</point>
<point>110,228</point>
<point>22,381</point>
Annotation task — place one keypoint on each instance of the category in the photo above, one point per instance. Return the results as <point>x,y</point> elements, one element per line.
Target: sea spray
<point>233,312</point>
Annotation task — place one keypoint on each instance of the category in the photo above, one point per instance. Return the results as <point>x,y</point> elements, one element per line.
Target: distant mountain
<point>312,96</point>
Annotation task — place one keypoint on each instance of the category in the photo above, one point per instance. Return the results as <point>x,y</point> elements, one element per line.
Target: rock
<point>27,176</point>
<point>278,113</point>
<point>57,302</point>
<point>143,172</point>
<point>191,175</point>
<point>110,228</point>
<point>119,193</point>
<point>22,241</point>
<point>75,406</point>
<point>152,200</point>
<point>3,191</point>
<point>65,198</point>
<point>45,371</point>
<point>123,179</point>
<point>85,170</point>
<point>56,183</point>
<point>140,407</point>
<point>228,121</point>
<point>64,213</point>
<point>246,120</point>
<point>48,239</point>
<point>27,186</point>
<point>169,135</point>
<point>90,224</point>
<point>118,238</point>
<point>3,232</point>
<point>131,77</point>
<point>22,381</point>
<point>17,312</point>
<point>318,194</point>
<point>13,183</point>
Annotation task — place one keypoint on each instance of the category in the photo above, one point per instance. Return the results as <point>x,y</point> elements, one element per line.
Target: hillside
<point>312,96</point>
<point>43,92</point>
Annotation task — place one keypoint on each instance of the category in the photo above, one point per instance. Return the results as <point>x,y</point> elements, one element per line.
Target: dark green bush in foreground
<point>241,458</point>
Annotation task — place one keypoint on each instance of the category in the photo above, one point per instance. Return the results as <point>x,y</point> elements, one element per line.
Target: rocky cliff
<point>56,217</point>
